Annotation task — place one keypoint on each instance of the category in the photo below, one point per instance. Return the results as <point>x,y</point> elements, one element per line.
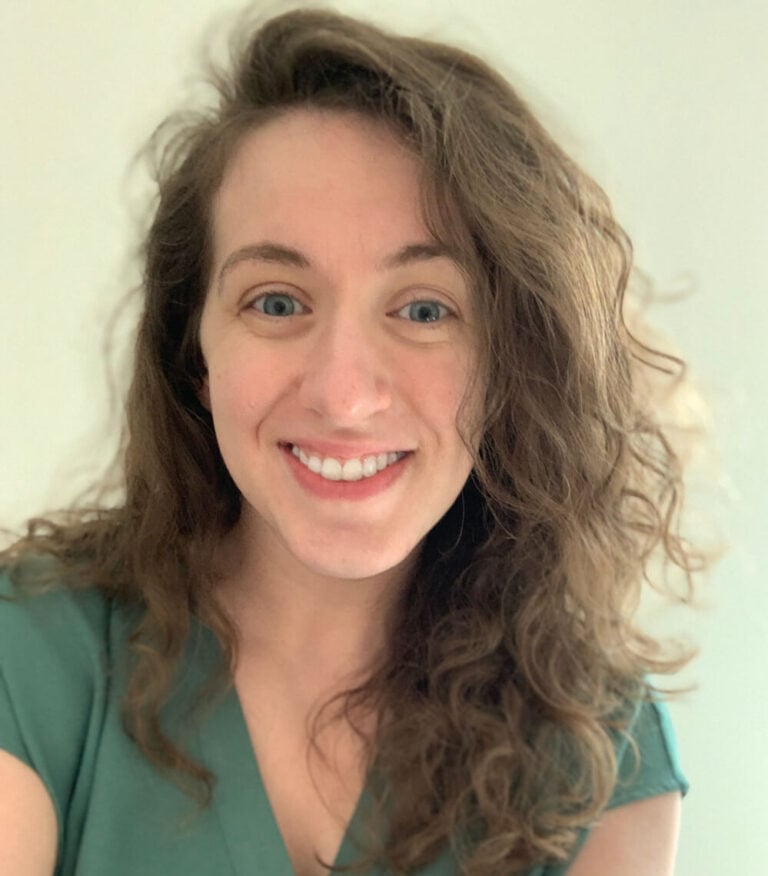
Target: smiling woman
<point>392,488</point>
<point>343,309</point>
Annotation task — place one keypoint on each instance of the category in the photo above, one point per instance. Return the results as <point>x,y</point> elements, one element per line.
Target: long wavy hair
<point>514,659</point>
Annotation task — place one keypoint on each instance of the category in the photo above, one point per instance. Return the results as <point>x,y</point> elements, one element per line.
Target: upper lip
<point>340,450</point>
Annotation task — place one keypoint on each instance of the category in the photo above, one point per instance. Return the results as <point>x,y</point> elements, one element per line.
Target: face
<point>339,347</point>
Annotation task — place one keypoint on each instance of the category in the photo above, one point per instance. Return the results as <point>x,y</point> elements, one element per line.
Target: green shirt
<point>60,713</point>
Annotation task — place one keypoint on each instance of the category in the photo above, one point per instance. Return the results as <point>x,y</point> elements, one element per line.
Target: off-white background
<point>663,101</point>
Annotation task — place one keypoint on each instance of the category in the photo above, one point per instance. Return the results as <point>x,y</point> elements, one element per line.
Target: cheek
<point>438,389</point>
<point>242,371</point>
<point>237,389</point>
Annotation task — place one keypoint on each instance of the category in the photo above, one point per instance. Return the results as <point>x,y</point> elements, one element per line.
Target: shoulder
<point>54,679</point>
<point>637,833</point>
<point>648,756</point>
<point>51,636</point>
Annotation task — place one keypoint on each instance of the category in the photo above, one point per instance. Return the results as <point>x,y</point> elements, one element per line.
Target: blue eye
<point>424,311</point>
<point>278,304</point>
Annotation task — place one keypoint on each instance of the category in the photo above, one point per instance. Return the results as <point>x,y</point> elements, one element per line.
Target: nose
<point>346,378</point>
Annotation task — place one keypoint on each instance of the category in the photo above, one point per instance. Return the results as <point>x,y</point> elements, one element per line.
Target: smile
<point>354,469</point>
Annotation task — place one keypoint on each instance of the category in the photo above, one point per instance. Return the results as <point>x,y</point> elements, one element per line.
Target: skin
<point>311,579</point>
<point>639,839</point>
<point>354,365</point>
<point>29,835</point>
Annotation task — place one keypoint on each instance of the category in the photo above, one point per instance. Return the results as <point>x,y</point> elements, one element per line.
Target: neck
<point>306,622</point>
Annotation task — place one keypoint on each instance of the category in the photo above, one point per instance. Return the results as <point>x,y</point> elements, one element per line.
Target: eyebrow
<point>277,254</point>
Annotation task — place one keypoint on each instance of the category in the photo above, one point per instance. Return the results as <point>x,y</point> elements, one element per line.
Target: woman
<point>391,489</point>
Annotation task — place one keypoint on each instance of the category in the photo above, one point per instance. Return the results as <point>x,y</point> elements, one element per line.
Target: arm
<point>637,839</point>
<point>29,835</point>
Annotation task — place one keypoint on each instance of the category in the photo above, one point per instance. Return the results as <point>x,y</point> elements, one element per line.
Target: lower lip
<point>351,490</point>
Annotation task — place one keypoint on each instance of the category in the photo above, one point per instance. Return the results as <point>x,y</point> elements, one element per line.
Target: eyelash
<point>444,311</point>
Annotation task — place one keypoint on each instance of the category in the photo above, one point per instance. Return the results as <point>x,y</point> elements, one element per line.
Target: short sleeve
<point>654,767</point>
<point>51,683</point>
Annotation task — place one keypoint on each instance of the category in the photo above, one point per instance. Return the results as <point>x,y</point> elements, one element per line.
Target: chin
<point>354,568</point>
<point>358,564</point>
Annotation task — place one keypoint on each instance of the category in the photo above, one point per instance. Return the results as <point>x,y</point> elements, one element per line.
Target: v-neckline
<point>244,811</point>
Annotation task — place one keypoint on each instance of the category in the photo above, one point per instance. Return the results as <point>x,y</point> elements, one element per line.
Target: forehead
<point>289,144</point>
<point>320,175</point>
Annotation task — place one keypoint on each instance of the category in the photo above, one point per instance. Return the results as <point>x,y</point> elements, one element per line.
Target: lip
<point>365,488</point>
<point>340,451</point>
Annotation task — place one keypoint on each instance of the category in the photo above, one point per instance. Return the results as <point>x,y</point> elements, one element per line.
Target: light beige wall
<point>663,101</point>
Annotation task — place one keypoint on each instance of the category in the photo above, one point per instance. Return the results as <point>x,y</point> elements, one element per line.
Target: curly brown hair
<point>515,656</point>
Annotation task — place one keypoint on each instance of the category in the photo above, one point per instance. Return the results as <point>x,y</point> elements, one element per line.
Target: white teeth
<point>331,469</point>
<point>351,469</point>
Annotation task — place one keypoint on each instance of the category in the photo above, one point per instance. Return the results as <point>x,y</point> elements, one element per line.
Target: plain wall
<point>663,102</point>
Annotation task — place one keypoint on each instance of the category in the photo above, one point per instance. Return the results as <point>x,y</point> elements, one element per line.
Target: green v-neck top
<point>63,665</point>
